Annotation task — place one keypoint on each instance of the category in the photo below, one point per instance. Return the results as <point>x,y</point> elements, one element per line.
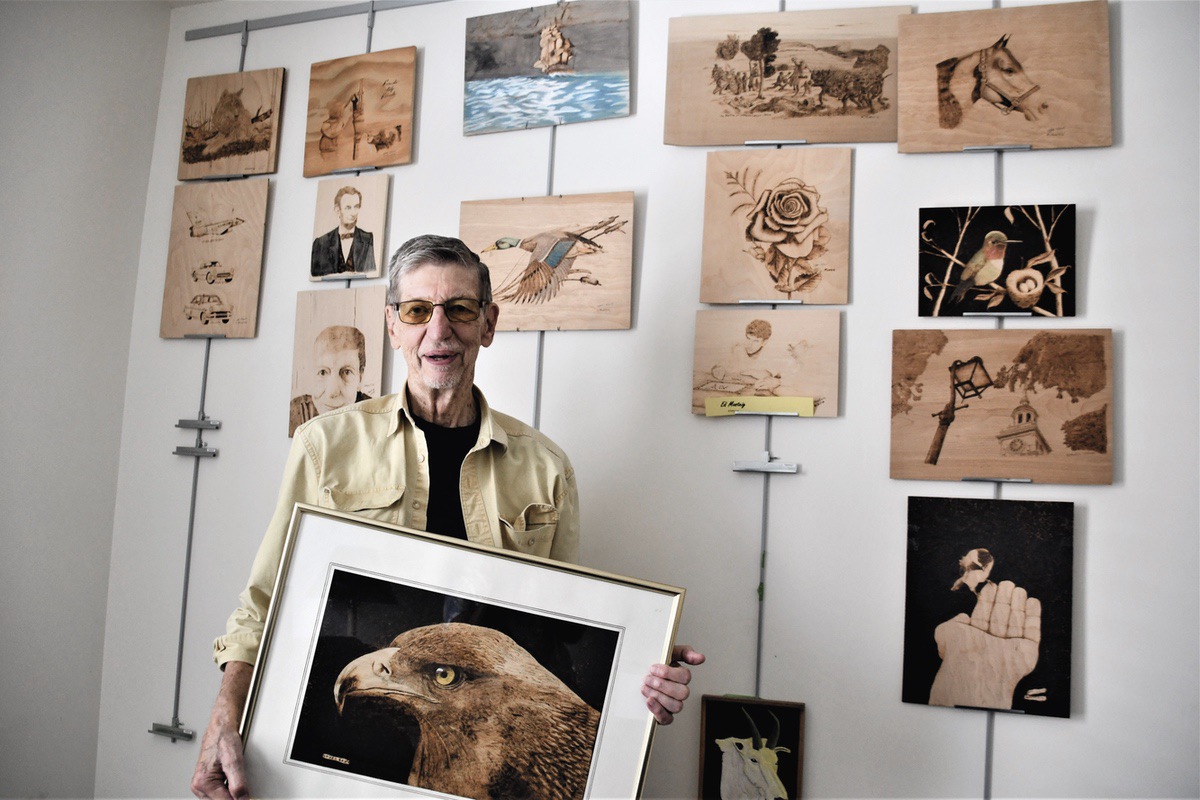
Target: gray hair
<point>428,249</point>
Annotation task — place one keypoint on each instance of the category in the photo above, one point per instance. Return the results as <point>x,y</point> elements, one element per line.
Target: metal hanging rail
<point>317,14</point>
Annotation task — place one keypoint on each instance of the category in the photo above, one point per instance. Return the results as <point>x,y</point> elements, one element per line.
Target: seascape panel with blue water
<point>524,101</point>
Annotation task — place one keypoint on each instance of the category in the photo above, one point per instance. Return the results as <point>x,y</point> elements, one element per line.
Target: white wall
<point>79,86</point>
<point>659,498</point>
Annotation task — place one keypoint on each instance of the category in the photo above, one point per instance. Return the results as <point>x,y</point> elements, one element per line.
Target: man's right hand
<point>220,770</point>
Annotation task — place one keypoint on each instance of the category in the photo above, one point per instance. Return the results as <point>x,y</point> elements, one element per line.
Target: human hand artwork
<point>985,655</point>
<point>665,687</point>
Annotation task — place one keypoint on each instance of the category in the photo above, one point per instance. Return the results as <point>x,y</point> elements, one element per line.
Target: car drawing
<point>206,308</point>
<point>212,272</point>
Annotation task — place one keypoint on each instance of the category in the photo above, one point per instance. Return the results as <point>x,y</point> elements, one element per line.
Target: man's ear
<point>490,316</point>
<point>392,323</point>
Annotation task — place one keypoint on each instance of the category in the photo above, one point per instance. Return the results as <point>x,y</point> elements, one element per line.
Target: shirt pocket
<point>381,503</point>
<point>532,532</point>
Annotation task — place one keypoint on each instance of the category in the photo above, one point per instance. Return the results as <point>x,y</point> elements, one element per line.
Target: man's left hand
<point>666,687</point>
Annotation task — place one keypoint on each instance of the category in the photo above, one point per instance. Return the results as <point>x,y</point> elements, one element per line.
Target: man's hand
<point>665,688</point>
<point>220,772</point>
<point>985,655</point>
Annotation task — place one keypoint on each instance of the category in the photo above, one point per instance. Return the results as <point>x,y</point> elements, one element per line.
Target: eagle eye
<point>446,676</point>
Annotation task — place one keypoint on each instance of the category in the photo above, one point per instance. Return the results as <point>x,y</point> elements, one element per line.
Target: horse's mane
<point>949,110</point>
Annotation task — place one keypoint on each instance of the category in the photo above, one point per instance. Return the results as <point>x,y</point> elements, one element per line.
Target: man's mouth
<point>439,359</point>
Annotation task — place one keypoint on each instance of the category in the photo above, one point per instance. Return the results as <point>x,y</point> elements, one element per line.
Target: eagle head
<point>492,720</point>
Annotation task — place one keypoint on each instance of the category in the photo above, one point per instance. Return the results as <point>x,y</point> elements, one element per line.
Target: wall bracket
<point>766,463</point>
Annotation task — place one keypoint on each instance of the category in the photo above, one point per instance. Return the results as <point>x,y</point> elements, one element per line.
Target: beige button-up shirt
<point>517,487</point>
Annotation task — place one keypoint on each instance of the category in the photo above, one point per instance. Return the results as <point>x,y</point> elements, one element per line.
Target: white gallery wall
<point>80,85</point>
<point>659,498</point>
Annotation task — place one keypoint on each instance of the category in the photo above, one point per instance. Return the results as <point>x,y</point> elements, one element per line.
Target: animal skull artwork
<point>750,767</point>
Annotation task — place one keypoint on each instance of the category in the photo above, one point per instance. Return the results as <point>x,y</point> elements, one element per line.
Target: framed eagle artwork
<point>432,667</point>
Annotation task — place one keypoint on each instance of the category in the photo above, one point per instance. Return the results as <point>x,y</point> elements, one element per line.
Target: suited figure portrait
<point>347,248</point>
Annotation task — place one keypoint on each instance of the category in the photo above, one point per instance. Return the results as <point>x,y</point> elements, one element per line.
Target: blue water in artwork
<point>505,104</point>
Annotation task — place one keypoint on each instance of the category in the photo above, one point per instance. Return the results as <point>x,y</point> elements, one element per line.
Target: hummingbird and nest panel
<point>1016,259</point>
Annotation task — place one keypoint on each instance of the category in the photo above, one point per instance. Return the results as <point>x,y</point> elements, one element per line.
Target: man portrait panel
<point>338,354</point>
<point>350,210</point>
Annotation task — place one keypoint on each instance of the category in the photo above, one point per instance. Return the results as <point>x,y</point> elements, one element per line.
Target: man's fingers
<point>1001,609</point>
<point>1016,619</point>
<point>1033,620</point>
<point>661,715</point>
<point>983,606</point>
<point>671,682</point>
<point>686,654</point>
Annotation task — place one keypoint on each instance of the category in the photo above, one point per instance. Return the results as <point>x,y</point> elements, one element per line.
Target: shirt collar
<point>489,431</point>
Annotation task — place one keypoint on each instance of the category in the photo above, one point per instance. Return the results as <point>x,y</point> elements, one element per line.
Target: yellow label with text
<point>728,406</point>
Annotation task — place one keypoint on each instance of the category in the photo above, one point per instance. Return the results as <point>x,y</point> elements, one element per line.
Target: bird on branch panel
<point>551,260</point>
<point>492,721</point>
<point>985,266</point>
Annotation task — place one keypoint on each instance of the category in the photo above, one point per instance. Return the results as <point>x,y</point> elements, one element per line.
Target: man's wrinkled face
<point>441,354</point>
<point>347,210</point>
<point>338,378</point>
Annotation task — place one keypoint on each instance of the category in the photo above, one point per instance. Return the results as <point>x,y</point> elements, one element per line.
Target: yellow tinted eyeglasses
<point>457,309</point>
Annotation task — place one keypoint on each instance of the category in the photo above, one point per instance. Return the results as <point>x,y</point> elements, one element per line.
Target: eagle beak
<point>364,674</point>
<point>373,675</point>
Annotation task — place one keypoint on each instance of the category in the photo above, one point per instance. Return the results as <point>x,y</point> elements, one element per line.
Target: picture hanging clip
<point>766,463</point>
<point>174,731</point>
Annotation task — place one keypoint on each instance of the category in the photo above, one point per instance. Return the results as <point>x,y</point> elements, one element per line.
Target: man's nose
<point>439,323</point>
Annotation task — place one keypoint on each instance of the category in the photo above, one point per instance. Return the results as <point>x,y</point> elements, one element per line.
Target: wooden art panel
<point>768,353</point>
<point>338,355</point>
<point>556,263</point>
<point>549,65</point>
<point>1034,75</point>
<point>777,226</point>
<point>1036,405</point>
<point>214,260</point>
<point>987,616</point>
<point>816,76</point>
<point>349,228</point>
<point>231,124</point>
<point>750,747</point>
<point>360,112</point>
<point>997,259</point>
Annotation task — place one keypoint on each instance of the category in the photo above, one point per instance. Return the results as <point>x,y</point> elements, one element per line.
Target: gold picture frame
<point>346,583</point>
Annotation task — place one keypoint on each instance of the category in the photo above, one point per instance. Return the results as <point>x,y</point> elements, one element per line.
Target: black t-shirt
<point>447,448</point>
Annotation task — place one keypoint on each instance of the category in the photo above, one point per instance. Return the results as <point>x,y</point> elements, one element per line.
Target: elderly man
<point>433,457</point>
